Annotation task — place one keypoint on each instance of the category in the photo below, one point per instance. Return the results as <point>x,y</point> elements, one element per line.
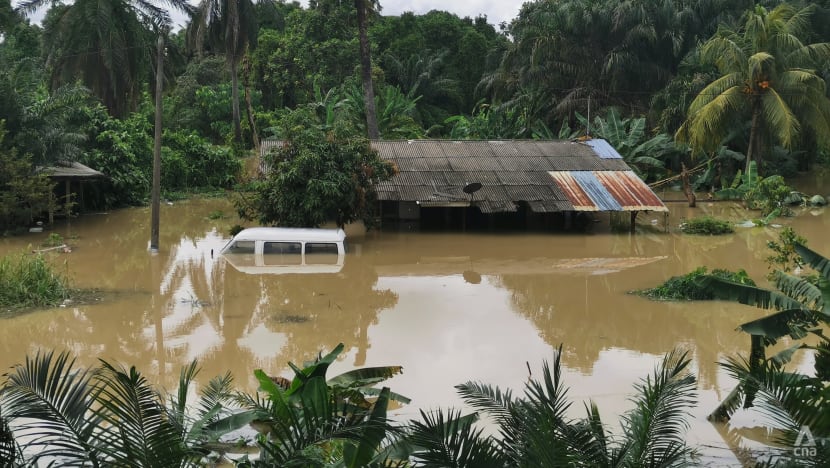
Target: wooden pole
<point>154,229</point>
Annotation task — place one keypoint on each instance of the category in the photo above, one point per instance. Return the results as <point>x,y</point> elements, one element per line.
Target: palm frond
<point>656,426</point>
<point>450,440</point>
<point>491,400</point>
<point>52,401</point>
<point>143,436</point>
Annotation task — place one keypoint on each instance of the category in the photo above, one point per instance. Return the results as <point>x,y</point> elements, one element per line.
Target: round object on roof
<point>472,187</point>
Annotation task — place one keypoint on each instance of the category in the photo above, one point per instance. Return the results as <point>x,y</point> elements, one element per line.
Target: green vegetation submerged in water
<point>706,225</point>
<point>688,288</point>
<point>30,281</point>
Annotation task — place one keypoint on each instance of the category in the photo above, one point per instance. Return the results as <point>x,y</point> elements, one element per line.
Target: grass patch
<point>30,281</point>
<point>707,225</point>
<point>687,288</point>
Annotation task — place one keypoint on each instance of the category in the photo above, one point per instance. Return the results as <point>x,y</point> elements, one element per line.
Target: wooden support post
<point>633,220</point>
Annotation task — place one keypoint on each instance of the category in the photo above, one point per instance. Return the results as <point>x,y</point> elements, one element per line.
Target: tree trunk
<point>366,70</point>
<point>687,187</point>
<point>249,108</point>
<point>237,126</point>
<point>752,149</point>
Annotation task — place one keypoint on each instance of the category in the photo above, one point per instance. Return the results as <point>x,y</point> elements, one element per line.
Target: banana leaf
<point>746,294</point>
<point>792,322</point>
<point>817,261</point>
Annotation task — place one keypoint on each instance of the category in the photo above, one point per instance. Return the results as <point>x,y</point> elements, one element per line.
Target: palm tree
<point>64,413</point>
<point>364,7</point>
<point>535,430</point>
<point>107,44</point>
<point>767,77</point>
<point>228,26</point>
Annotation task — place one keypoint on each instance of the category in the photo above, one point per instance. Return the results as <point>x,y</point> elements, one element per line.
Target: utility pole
<point>154,230</point>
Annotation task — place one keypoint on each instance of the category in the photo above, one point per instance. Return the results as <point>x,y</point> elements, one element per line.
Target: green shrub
<point>30,281</point>
<point>687,288</point>
<point>706,225</point>
<point>24,194</point>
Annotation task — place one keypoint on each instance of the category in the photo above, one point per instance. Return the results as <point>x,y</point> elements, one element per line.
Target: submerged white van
<point>286,250</point>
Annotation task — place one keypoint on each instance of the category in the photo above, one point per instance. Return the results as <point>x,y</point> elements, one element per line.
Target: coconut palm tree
<point>228,26</point>
<point>767,77</point>
<point>108,45</point>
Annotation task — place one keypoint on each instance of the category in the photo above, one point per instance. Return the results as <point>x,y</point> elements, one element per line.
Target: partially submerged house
<point>526,177</point>
<point>532,181</point>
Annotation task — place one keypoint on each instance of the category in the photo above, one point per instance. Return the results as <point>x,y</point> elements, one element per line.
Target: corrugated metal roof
<point>495,206</point>
<point>603,149</point>
<point>576,195</point>
<point>548,175</point>
<point>602,198</point>
<point>630,191</point>
<point>607,191</point>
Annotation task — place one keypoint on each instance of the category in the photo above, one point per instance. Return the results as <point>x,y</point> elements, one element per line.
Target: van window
<point>242,247</point>
<point>282,253</point>
<point>321,253</point>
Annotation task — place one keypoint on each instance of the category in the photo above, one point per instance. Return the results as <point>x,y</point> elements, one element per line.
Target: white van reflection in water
<point>286,250</point>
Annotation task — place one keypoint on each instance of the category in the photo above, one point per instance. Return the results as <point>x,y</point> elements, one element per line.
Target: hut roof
<point>71,170</point>
<point>547,175</point>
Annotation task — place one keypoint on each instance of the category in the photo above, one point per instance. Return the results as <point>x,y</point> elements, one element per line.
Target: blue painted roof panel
<point>602,198</point>
<point>603,149</point>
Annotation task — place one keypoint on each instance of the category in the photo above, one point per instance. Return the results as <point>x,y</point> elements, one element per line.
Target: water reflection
<point>449,307</point>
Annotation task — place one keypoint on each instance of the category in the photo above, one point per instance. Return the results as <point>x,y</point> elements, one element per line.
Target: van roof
<point>277,234</point>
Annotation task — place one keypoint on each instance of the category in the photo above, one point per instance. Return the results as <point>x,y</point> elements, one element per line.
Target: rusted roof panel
<point>630,191</point>
<point>603,199</point>
<point>603,149</point>
<point>576,195</point>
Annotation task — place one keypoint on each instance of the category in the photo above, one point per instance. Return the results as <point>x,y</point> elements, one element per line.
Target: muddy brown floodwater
<point>448,307</point>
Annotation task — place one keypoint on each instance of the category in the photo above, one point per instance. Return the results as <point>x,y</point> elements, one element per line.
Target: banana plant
<point>311,421</point>
<point>799,308</point>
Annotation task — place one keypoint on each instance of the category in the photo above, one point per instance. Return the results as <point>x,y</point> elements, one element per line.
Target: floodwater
<point>448,307</point>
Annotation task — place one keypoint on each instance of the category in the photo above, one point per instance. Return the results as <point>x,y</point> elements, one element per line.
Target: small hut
<point>69,173</point>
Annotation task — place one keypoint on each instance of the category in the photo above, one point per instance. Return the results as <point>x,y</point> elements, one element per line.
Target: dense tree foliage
<point>661,65</point>
<point>316,176</point>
